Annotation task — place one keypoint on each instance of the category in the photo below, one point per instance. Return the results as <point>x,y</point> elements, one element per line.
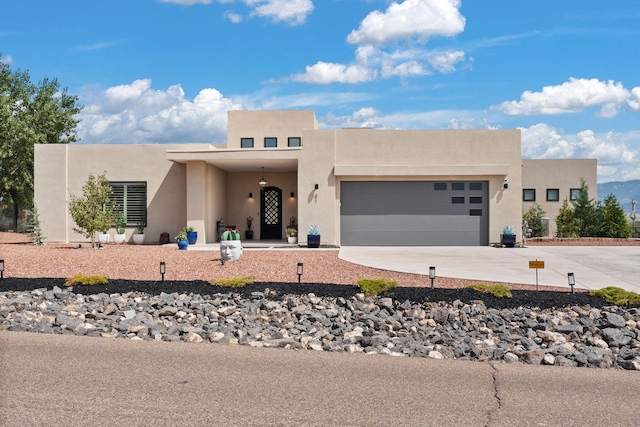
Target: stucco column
<point>196,198</point>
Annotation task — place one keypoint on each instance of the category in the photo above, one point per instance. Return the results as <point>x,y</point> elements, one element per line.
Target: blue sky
<point>155,71</point>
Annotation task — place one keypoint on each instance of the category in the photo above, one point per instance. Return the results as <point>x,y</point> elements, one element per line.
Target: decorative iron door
<point>271,213</point>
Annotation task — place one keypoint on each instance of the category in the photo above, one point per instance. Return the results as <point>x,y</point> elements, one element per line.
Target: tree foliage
<point>587,218</point>
<point>534,217</point>
<point>95,210</point>
<point>29,114</point>
<point>614,219</point>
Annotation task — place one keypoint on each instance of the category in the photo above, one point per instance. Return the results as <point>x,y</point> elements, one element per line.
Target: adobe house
<point>360,186</point>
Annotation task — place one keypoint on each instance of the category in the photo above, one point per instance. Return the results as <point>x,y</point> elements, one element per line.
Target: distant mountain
<point>625,191</point>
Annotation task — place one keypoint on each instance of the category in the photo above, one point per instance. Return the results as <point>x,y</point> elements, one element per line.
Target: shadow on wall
<point>167,209</point>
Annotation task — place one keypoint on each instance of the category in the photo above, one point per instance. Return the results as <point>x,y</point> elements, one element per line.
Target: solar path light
<point>572,281</point>
<point>1,269</point>
<point>299,271</point>
<point>432,275</point>
<point>163,269</point>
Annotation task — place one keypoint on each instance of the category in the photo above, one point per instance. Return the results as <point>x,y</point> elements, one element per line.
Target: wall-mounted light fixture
<point>1,269</point>
<point>316,187</point>
<point>293,194</point>
<point>251,195</point>
<point>572,281</point>
<point>299,271</point>
<point>163,269</point>
<point>432,275</point>
<point>506,184</point>
<point>262,182</point>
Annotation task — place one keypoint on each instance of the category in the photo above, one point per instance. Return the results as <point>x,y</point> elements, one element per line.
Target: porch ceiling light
<point>262,182</point>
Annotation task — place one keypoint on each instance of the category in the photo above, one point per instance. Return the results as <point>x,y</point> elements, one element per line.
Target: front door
<point>271,213</point>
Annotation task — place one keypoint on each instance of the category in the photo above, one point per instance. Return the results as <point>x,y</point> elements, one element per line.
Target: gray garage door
<point>414,213</point>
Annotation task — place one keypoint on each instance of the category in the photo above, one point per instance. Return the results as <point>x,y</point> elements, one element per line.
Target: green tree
<point>29,114</point>
<point>586,213</point>
<point>614,219</point>
<point>534,217</point>
<point>95,210</point>
<point>566,225</point>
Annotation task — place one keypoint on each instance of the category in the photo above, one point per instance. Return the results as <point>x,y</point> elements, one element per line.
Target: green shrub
<point>498,291</point>
<point>375,286</point>
<point>617,296</point>
<point>234,282</point>
<point>81,279</point>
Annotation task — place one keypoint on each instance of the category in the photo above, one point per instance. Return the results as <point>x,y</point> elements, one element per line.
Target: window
<point>440,186</point>
<point>475,199</point>
<point>131,199</point>
<point>475,212</point>
<point>553,194</point>
<point>270,142</point>
<point>246,142</point>
<point>295,141</point>
<point>574,194</point>
<point>457,186</point>
<point>529,194</point>
<point>475,186</point>
<point>457,199</point>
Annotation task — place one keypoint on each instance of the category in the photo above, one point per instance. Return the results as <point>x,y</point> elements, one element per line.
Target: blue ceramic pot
<point>182,244</point>
<point>192,236</point>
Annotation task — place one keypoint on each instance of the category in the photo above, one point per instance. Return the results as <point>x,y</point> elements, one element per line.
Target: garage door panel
<point>410,214</point>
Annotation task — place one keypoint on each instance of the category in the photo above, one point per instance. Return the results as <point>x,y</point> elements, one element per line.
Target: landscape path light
<point>1,269</point>
<point>432,275</point>
<point>572,281</point>
<point>163,269</point>
<point>299,271</point>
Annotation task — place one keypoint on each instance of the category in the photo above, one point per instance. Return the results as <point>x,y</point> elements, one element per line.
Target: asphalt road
<point>57,380</point>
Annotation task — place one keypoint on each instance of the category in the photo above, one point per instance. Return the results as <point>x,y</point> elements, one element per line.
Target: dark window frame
<point>457,200</point>
<point>475,199</point>
<point>475,186</point>
<point>557,198</point>
<point>248,140</point>
<point>524,195</point>
<point>457,186</point>
<point>131,199</point>
<point>270,139</point>
<point>293,138</point>
<point>571,193</point>
<point>440,186</point>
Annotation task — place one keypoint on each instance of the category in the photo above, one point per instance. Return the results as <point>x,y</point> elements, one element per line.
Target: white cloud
<point>634,99</point>
<point>570,97</point>
<point>136,113</point>
<point>328,72</point>
<point>294,12</point>
<point>421,19</point>
<point>445,62</point>
<point>7,59</point>
<point>233,17</point>
<point>616,160</point>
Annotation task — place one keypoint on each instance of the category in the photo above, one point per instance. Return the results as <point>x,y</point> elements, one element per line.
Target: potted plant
<point>508,237</point>
<point>248,233</point>
<point>182,240</point>
<point>313,238</point>
<point>121,223</point>
<point>230,245</point>
<point>292,235</point>
<point>138,237</point>
<point>103,236</point>
<point>192,235</point>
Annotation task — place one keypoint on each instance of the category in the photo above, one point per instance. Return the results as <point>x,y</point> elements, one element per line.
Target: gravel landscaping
<point>326,312</point>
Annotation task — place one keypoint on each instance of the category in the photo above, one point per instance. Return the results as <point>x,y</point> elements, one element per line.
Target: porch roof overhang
<point>241,160</point>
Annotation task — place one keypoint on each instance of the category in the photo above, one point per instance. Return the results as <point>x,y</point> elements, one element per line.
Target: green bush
<point>234,282</point>
<point>498,291</point>
<point>375,286</point>
<point>81,279</point>
<point>617,296</point>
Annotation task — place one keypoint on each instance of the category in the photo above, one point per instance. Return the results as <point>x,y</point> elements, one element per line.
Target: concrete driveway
<point>594,267</point>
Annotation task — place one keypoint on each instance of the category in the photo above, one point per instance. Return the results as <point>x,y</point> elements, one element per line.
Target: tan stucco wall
<point>61,170</point>
<point>281,124</point>
<point>483,155</point>
<point>563,174</point>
